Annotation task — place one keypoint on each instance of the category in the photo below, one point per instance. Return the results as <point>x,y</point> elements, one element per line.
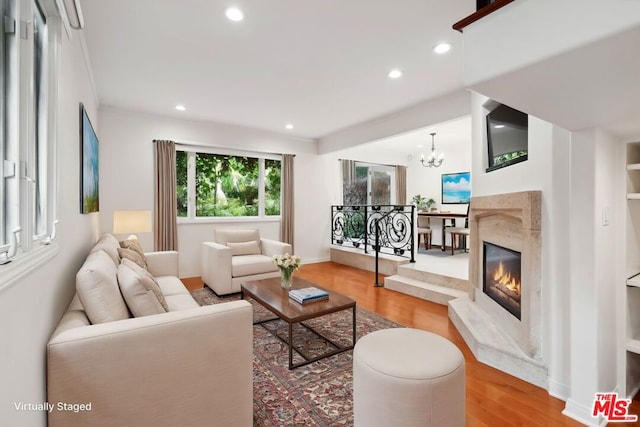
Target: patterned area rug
<point>318,394</point>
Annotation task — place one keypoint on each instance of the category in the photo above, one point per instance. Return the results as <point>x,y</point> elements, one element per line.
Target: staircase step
<point>353,257</point>
<point>419,273</point>
<point>427,291</point>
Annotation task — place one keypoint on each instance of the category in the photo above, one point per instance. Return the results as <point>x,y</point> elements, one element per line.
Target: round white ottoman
<point>407,377</point>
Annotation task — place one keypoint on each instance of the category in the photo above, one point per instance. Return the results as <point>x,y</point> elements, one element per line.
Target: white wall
<point>128,170</point>
<point>31,307</point>
<point>605,247</point>
<point>592,311</point>
<point>547,170</point>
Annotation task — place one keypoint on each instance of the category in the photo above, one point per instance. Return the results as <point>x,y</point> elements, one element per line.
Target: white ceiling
<point>452,137</point>
<point>319,64</point>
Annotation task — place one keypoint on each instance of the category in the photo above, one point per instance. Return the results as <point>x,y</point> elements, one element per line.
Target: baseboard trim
<point>582,413</point>
<point>557,389</point>
<point>316,260</point>
<point>635,390</point>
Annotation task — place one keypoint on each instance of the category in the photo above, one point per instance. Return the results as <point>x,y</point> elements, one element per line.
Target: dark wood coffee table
<point>270,295</point>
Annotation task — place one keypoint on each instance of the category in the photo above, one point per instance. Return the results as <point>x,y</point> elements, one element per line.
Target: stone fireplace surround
<point>496,337</point>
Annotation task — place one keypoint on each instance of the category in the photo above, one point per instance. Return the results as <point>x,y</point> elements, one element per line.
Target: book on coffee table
<point>307,295</point>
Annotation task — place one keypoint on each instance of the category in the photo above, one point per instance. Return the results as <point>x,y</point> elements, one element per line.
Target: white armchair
<point>238,256</point>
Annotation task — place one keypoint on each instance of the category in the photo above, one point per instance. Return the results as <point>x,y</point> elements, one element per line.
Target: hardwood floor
<point>493,397</point>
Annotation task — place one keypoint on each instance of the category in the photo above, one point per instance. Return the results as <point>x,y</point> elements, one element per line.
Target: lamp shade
<point>125,222</point>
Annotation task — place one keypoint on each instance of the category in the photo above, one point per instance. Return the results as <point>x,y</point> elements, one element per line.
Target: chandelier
<point>431,161</point>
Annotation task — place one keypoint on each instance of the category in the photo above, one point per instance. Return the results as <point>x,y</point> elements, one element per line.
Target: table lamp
<point>131,222</point>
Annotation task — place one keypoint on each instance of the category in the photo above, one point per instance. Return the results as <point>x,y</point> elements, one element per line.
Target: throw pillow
<point>149,281</point>
<point>132,255</point>
<point>98,291</point>
<point>244,248</point>
<point>140,290</point>
<point>134,245</point>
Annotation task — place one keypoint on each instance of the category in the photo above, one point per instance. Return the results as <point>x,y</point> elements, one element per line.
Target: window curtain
<point>401,185</point>
<point>166,205</point>
<point>348,168</point>
<point>287,214</point>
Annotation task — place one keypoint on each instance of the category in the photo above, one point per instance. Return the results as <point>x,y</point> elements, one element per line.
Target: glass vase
<point>286,278</point>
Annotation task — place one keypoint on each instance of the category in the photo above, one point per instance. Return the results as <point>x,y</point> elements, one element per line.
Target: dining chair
<point>424,229</point>
<point>459,234</point>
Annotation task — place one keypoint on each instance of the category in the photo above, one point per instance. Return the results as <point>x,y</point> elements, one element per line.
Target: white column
<point>592,272</point>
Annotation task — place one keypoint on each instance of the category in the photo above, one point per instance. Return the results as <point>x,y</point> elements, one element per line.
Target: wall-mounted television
<point>507,137</point>
<point>456,188</point>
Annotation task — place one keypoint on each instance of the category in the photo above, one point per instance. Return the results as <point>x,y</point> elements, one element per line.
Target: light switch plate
<point>605,215</point>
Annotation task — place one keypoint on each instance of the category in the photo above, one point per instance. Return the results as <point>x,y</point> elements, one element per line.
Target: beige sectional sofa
<point>189,366</point>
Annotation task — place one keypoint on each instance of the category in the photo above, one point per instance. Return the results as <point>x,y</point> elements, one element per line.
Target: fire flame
<point>505,279</point>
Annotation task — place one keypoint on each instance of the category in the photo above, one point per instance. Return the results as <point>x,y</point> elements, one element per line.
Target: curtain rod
<point>370,163</point>
<point>196,144</point>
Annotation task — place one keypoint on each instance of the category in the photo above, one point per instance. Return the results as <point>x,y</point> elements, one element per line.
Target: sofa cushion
<point>133,256</point>
<point>150,282</point>
<point>236,236</point>
<point>110,245</point>
<point>141,292</point>
<point>171,285</point>
<point>244,248</point>
<point>181,302</point>
<point>134,245</point>
<point>247,265</point>
<point>98,291</point>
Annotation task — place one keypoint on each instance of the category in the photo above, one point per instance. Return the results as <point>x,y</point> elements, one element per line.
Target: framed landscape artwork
<point>89,194</point>
<point>456,188</point>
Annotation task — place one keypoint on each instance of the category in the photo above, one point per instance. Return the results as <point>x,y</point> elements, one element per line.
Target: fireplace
<point>501,278</point>
<point>504,329</point>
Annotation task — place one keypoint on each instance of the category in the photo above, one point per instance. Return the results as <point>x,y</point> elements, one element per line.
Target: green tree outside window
<point>272,180</point>
<point>227,186</point>
<point>182,190</point>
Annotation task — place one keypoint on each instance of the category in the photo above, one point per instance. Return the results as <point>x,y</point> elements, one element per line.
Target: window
<point>370,184</point>
<point>182,191</point>
<point>272,173</point>
<point>28,93</point>
<point>38,144</point>
<point>4,80</point>
<point>227,185</point>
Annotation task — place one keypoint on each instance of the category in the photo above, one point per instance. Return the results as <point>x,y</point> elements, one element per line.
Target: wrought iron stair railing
<point>355,226</point>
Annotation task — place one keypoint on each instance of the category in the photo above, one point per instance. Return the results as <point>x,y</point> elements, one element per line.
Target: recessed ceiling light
<point>234,14</point>
<point>498,126</point>
<point>180,107</point>
<point>288,126</point>
<point>419,145</point>
<point>441,48</point>
<point>395,74</point>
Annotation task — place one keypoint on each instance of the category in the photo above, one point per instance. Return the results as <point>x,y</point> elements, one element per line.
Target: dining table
<point>444,216</point>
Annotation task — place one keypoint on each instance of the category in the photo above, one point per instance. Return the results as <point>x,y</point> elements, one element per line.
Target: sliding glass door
<point>370,185</point>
